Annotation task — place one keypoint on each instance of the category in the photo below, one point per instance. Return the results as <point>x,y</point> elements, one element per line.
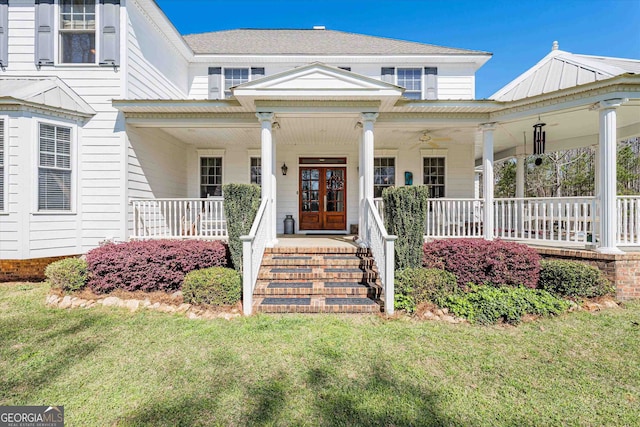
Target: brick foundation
<point>27,270</point>
<point>623,270</point>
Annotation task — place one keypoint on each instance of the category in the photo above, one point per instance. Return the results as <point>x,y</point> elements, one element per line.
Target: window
<point>411,80</point>
<point>54,168</point>
<point>2,156</point>
<point>234,77</point>
<point>210,177</point>
<point>384,174</point>
<point>256,170</point>
<point>77,31</point>
<point>433,173</point>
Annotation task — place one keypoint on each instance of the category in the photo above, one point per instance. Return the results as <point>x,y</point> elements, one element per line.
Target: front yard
<point>111,367</point>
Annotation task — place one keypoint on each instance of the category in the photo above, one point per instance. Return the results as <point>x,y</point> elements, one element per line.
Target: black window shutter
<point>388,74</point>
<point>431,82</point>
<point>257,73</point>
<point>45,37</point>
<point>110,32</point>
<point>215,75</point>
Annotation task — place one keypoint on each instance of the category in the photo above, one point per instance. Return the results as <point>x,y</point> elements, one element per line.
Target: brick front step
<point>317,280</point>
<point>315,305</point>
<point>311,288</point>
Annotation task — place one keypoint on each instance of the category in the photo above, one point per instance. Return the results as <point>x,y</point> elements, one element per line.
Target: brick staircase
<point>317,280</point>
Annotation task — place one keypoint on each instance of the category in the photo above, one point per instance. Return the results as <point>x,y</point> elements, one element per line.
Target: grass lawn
<point>111,367</point>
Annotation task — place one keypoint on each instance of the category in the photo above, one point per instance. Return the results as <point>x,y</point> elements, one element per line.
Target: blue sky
<point>518,33</point>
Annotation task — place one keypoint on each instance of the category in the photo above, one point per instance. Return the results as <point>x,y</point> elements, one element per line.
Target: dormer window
<point>230,77</point>
<point>77,31</point>
<point>234,77</point>
<point>411,80</point>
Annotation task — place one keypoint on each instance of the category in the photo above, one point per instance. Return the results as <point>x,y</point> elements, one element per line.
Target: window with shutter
<point>54,168</point>
<point>411,80</point>
<point>234,77</point>
<point>77,31</point>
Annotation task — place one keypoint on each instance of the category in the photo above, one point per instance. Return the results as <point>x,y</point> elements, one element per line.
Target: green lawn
<point>111,367</point>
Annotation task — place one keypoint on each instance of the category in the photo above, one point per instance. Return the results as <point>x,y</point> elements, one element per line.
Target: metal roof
<point>310,42</point>
<point>562,70</point>
<point>49,93</point>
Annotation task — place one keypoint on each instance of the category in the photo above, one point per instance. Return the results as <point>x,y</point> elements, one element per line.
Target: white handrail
<point>383,251</point>
<point>183,218</point>
<point>253,246</point>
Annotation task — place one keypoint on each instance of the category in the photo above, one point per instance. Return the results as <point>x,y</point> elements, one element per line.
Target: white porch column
<point>608,176</point>
<point>266,137</point>
<point>360,183</point>
<point>487,175</point>
<point>520,160</point>
<point>368,119</point>
<point>274,182</point>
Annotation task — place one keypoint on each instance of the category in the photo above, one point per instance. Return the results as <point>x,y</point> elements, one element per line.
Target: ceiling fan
<point>430,139</point>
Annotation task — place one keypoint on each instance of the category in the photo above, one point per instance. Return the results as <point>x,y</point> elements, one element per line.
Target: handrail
<point>382,248</point>
<point>253,246</point>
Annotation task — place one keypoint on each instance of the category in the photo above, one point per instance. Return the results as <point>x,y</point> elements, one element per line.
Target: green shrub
<point>414,286</point>
<point>488,304</point>
<point>213,286</point>
<point>69,274</point>
<point>573,279</point>
<point>241,204</point>
<point>405,213</point>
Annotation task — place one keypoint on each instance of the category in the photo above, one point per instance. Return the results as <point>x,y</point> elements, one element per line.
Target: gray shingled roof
<point>310,42</point>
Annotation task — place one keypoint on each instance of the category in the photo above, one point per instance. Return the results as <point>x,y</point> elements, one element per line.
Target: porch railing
<point>628,220</point>
<point>566,219</point>
<point>179,218</point>
<point>383,251</point>
<point>253,246</point>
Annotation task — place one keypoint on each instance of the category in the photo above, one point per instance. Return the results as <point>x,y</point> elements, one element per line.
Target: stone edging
<point>189,310</point>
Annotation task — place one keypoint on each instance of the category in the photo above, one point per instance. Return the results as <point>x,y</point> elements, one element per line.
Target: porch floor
<point>315,241</point>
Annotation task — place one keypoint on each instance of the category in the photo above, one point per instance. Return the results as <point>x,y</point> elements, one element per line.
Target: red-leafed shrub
<point>150,265</point>
<point>485,262</point>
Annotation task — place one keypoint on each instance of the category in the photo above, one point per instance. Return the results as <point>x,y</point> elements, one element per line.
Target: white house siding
<point>156,70</point>
<point>99,168</point>
<point>455,81</point>
<point>11,222</point>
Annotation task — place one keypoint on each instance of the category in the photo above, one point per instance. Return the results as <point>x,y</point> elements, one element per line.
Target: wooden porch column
<point>266,137</point>
<point>608,176</point>
<point>487,175</point>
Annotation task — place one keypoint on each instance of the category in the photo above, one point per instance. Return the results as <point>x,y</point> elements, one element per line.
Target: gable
<point>314,80</point>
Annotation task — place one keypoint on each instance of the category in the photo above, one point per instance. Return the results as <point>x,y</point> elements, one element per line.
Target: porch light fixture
<point>539,140</point>
<point>284,169</point>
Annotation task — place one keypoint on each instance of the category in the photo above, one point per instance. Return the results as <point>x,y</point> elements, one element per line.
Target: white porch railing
<point>253,246</point>
<point>566,219</point>
<point>383,251</point>
<point>179,218</point>
<point>628,220</point>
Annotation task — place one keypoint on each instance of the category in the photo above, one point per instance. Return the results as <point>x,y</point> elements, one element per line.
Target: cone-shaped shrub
<point>405,213</point>
<point>241,204</point>
<point>481,261</point>
<point>150,265</point>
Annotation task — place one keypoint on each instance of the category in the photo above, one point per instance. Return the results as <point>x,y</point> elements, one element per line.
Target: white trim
<point>4,144</point>
<point>210,152</point>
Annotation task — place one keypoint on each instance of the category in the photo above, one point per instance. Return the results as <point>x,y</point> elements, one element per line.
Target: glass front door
<point>323,193</point>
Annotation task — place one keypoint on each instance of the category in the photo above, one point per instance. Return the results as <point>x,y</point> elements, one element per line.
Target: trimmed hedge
<point>414,286</point>
<point>488,304</point>
<point>484,262</point>
<point>213,286</point>
<point>405,213</point>
<point>150,265</point>
<point>241,204</point>
<point>69,274</point>
<point>573,279</point>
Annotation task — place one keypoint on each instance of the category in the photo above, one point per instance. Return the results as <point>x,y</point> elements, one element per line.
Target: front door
<point>323,198</point>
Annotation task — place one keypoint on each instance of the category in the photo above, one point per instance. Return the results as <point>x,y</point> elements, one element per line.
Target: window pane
<point>411,80</point>
<point>78,48</point>
<point>210,177</point>
<point>54,172</point>
<point>434,176</point>
<point>256,170</point>
<point>234,77</point>
<point>54,190</point>
<point>384,174</point>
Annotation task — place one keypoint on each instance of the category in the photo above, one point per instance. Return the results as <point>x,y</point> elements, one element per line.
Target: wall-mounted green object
<point>408,178</point>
